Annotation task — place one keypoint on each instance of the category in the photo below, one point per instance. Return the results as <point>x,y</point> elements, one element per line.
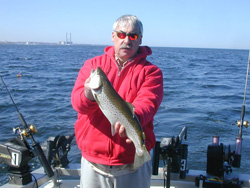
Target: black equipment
<point>220,159</point>
<point>172,150</point>
<point>16,154</point>
<point>57,149</point>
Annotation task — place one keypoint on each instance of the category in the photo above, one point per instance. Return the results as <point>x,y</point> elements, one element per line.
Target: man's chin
<point>126,51</point>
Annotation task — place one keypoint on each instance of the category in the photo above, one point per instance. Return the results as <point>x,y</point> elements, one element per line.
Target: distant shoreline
<point>29,43</point>
<point>46,43</point>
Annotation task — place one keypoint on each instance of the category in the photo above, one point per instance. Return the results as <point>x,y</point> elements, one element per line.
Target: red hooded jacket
<point>140,83</point>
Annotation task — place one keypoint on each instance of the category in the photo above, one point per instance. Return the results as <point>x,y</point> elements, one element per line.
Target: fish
<point>116,109</point>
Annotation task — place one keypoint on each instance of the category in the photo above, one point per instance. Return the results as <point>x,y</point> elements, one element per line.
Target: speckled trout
<point>118,110</point>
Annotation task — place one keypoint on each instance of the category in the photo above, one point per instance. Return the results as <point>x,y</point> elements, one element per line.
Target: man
<point>107,161</point>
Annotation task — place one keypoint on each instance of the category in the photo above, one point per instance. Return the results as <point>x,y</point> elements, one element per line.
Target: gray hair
<point>129,19</point>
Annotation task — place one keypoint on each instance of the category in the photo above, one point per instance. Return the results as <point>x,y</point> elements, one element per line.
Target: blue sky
<point>169,23</point>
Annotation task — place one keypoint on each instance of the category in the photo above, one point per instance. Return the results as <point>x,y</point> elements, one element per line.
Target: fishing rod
<point>244,100</point>
<point>36,145</point>
<point>241,123</point>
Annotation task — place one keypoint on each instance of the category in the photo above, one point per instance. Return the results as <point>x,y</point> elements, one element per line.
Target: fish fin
<point>143,136</point>
<point>141,159</point>
<point>131,108</point>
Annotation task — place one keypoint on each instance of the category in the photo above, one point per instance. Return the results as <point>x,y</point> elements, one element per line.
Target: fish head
<point>96,81</point>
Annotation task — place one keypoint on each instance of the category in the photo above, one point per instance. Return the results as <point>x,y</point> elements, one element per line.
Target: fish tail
<point>141,159</point>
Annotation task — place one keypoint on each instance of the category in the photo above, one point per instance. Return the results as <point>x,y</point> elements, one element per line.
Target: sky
<point>167,23</point>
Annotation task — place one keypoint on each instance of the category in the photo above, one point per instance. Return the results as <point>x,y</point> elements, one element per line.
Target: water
<point>203,90</point>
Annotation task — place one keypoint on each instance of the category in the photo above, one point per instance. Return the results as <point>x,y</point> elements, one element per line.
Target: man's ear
<point>140,40</point>
<point>113,36</point>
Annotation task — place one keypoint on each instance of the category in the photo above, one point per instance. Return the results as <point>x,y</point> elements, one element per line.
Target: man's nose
<point>127,40</point>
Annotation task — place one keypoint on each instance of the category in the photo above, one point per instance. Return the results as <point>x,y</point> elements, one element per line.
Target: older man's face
<point>126,48</point>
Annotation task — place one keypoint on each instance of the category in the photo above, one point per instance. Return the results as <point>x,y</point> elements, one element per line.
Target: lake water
<point>203,90</point>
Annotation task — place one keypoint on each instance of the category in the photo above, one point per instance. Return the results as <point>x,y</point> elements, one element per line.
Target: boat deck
<point>70,177</point>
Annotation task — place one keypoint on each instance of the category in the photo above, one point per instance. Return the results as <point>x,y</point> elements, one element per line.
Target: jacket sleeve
<point>150,95</point>
<point>78,99</point>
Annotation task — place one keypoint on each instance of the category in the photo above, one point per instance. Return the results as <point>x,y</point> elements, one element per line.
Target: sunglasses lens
<point>121,35</point>
<point>133,36</point>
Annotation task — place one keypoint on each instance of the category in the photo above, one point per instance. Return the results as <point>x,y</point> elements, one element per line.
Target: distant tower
<point>66,38</point>
<point>68,41</point>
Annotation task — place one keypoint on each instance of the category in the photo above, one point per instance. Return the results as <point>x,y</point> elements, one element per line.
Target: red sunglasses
<point>122,35</point>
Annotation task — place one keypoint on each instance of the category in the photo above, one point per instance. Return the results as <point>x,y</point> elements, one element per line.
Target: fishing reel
<point>245,123</point>
<point>26,132</point>
<point>172,150</point>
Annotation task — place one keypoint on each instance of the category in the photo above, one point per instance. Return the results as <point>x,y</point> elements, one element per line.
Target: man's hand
<point>120,129</point>
<point>88,92</point>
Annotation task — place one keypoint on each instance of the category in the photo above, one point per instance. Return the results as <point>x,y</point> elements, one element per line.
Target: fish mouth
<point>97,90</point>
<point>95,81</point>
